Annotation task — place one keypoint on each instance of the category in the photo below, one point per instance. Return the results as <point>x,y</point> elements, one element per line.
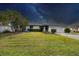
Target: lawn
<point>77,33</point>
<point>37,44</point>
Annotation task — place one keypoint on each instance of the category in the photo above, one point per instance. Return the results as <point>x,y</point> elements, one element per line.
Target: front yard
<point>37,44</point>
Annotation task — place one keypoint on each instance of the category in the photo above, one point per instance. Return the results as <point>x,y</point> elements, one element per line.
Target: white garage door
<point>58,29</point>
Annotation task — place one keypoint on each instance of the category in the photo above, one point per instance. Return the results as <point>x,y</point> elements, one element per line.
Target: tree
<point>3,18</point>
<point>19,24</point>
<point>14,18</point>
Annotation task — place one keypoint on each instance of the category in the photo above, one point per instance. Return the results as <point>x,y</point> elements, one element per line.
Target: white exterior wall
<point>44,29</point>
<point>78,29</point>
<point>36,27</point>
<point>58,29</point>
<point>3,28</point>
<point>27,27</point>
<point>74,29</point>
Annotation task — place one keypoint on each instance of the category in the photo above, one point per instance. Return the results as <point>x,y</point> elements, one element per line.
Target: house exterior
<point>59,29</point>
<point>39,27</point>
<point>34,27</point>
<point>3,28</point>
<point>46,28</point>
<point>74,27</point>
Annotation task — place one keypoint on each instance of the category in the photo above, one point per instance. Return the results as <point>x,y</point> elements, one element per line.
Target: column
<point>44,29</point>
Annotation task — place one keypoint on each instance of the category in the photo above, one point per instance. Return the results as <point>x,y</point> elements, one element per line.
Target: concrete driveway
<point>74,36</point>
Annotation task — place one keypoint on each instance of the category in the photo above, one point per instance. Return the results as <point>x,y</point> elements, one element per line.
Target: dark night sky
<point>47,13</point>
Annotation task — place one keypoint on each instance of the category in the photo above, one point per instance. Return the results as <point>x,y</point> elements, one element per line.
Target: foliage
<point>6,31</point>
<point>34,30</point>
<point>15,18</point>
<point>53,30</point>
<point>67,30</point>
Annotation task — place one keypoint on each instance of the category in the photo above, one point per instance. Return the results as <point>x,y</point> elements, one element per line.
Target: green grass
<point>37,44</point>
<point>77,33</point>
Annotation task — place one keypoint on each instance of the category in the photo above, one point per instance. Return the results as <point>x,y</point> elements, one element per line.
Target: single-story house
<point>45,28</point>
<point>3,28</point>
<point>41,27</point>
<point>74,27</point>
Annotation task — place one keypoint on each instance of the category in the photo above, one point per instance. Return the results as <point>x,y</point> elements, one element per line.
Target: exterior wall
<point>44,29</point>
<point>78,29</point>
<point>27,27</point>
<point>58,29</point>
<point>36,27</point>
<point>3,28</point>
<point>74,29</point>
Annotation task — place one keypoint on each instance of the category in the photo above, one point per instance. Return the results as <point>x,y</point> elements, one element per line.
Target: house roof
<point>37,24</point>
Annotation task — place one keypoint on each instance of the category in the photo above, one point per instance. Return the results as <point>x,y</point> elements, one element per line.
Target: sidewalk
<point>75,36</point>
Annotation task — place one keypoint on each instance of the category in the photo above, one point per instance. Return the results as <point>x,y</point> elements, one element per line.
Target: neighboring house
<point>3,28</point>
<point>6,27</point>
<point>74,29</point>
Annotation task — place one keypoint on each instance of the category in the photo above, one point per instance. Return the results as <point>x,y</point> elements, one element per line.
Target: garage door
<point>60,29</point>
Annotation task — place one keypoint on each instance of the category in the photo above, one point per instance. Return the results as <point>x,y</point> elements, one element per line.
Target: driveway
<point>74,36</point>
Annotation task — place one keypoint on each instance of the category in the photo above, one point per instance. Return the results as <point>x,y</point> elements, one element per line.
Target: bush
<point>53,31</point>
<point>67,30</point>
<point>35,30</point>
<point>6,31</point>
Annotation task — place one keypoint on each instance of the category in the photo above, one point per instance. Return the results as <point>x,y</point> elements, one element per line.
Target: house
<point>37,27</point>
<point>3,28</point>
<point>75,27</point>
<point>59,29</point>
<point>45,28</point>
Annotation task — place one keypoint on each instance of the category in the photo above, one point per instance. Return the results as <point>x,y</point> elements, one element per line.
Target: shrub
<point>67,30</point>
<point>6,31</point>
<point>53,31</point>
<point>34,30</point>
